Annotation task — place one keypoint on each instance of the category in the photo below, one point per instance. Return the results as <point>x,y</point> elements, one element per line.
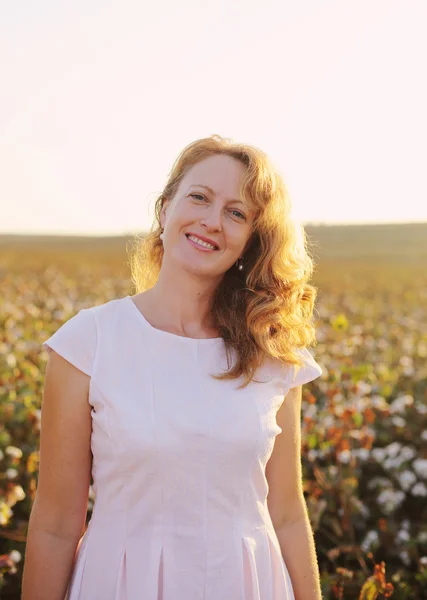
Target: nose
<point>213,219</point>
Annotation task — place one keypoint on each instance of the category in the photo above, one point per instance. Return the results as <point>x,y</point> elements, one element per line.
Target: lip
<point>204,239</point>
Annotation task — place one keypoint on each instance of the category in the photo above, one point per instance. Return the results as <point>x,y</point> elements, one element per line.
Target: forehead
<point>220,172</point>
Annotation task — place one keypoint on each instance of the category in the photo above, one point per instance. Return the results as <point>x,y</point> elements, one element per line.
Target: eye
<point>239,214</point>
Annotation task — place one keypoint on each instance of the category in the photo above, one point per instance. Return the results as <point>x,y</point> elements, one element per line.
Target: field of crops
<point>364,424</point>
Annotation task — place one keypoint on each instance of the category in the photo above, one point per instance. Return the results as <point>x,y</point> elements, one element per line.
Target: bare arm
<point>59,510</point>
<point>286,503</point>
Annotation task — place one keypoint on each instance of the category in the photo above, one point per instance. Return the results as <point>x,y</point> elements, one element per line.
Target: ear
<point>163,213</point>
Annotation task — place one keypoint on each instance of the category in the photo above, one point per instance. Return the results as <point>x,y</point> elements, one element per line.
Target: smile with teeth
<point>201,243</point>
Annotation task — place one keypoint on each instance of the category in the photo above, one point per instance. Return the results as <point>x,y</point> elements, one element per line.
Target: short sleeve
<point>76,340</point>
<point>309,371</point>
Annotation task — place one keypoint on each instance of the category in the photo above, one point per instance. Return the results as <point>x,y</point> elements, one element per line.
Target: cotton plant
<point>12,491</point>
<point>8,564</point>
<point>346,449</point>
<point>10,494</point>
<point>401,488</point>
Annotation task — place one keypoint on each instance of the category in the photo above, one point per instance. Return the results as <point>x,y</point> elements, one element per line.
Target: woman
<point>183,402</point>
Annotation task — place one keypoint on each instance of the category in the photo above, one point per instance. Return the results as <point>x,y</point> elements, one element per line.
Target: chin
<point>199,270</point>
<point>201,267</point>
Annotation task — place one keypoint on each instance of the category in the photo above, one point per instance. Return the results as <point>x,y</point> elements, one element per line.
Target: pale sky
<point>98,98</point>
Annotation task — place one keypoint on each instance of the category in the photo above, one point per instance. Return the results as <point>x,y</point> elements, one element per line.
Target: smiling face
<point>207,210</point>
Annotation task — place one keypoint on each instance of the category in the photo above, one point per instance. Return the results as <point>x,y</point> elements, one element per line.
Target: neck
<point>181,301</point>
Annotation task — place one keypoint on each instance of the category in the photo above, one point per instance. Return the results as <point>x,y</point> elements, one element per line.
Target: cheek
<point>237,238</point>
<point>183,214</point>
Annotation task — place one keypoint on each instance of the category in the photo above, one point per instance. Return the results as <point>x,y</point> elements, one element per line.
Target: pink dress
<point>180,510</point>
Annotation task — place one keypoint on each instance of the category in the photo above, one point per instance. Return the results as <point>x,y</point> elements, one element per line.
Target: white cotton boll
<point>324,452</point>
<point>370,540</point>
<point>13,451</point>
<point>344,456</point>
<point>333,470</point>
<point>361,453</point>
<point>404,555</point>
<point>312,454</point>
<point>422,537</point>
<point>420,467</point>
<point>424,435</point>
<point>378,454</point>
<point>393,449</point>
<point>11,473</point>
<point>398,421</point>
<point>390,464</point>
<point>360,404</point>
<point>310,411</point>
<point>15,556</point>
<point>16,495</point>
<point>407,479</point>
<point>11,360</point>
<point>389,500</point>
<point>402,536</point>
<point>38,414</point>
<point>328,421</point>
<point>19,493</point>
<point>419,489</point>
<point>408,453</point>
<point>379,481</point>
<point>401,403</point>
<point>363,388</point>
<point>378,401</point>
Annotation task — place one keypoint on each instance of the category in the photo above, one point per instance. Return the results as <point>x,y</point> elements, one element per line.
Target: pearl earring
<point>239,263</point>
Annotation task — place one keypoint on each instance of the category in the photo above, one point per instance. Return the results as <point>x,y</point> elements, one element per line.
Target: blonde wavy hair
<point>265,311</point>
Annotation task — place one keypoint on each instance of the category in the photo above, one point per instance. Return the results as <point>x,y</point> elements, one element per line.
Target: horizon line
<point>145,232</point>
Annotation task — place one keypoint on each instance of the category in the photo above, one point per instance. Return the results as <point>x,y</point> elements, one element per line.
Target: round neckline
<point>169,334</point>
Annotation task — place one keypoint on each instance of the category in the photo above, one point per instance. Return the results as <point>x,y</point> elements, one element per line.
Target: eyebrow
<point>212,191</point>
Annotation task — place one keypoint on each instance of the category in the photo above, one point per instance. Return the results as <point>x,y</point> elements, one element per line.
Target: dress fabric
<point>180,509</point>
